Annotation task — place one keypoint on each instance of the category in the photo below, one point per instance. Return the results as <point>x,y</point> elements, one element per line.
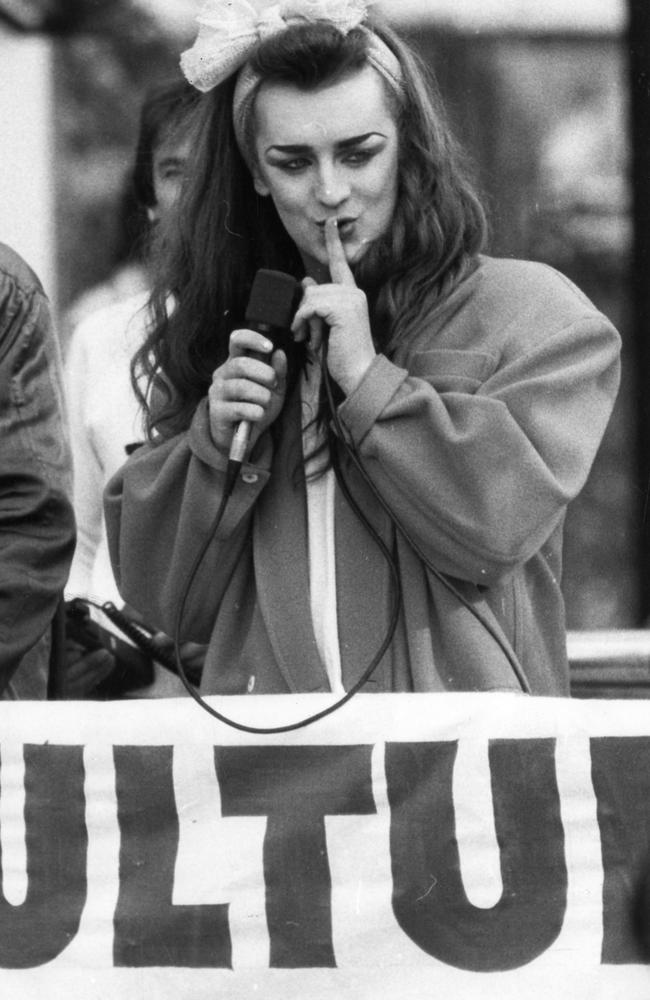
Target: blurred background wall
<point>27,173</point>
<point>539,94</point>
<point>543,111</point>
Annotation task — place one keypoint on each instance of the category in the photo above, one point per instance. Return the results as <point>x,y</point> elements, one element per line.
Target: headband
<point>231,30</point>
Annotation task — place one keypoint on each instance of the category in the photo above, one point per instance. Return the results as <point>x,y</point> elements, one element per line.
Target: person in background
<point>128,275</point>
<point>103,410</point>
<point>402,497</point>
<point>104,413</point>
<point>37,530</point>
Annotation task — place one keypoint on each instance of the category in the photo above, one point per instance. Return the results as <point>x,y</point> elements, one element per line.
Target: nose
<point>332,187</point>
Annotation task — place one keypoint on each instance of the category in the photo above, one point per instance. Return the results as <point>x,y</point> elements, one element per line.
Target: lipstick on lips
<point>345,226</point>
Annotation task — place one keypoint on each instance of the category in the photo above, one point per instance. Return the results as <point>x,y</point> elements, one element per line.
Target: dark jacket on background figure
<point>36,518</point>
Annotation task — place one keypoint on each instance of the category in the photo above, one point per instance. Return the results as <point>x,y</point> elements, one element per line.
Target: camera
<point>133,668</point>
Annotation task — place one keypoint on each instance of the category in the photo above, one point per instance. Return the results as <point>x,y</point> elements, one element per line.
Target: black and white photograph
<point>325,499</point>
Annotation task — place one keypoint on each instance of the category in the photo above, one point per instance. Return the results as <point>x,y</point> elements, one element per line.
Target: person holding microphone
<point>397,517</point>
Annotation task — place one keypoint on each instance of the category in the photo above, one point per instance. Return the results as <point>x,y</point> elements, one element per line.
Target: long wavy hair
<point>223,231</point>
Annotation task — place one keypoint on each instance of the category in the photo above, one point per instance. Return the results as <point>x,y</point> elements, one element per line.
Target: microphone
<point>270,309</point>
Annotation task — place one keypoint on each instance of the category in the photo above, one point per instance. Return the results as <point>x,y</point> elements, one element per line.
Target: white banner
<point>407,847</point>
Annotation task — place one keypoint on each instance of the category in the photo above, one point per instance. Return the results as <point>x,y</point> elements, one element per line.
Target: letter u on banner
<point>440,919</point>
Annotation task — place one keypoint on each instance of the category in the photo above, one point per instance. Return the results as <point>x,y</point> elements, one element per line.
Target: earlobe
<point>260,186</point>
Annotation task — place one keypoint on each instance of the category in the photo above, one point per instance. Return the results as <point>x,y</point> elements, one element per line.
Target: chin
<point>357,252</point>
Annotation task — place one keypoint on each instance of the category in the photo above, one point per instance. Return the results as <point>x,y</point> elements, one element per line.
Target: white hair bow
<point>229,30</point>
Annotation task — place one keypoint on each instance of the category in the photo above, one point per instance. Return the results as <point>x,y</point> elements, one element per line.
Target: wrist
<point>352,378</point>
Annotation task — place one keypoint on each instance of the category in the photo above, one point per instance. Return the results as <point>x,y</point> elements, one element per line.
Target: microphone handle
<point>242,435</point>
<point>240,441</point>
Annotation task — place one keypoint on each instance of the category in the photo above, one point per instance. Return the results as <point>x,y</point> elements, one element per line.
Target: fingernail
<point>267,345</point>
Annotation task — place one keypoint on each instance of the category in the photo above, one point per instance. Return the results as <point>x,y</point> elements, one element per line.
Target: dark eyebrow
<point>296,150</point>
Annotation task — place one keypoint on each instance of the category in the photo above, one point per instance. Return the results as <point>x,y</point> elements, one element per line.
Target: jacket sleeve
<point>479,470</point>
<point>160,509</point>
<point>36,518</point>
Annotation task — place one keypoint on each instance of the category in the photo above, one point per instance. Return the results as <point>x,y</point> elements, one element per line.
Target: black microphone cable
<point>232,472</point>
<point>231,476</point>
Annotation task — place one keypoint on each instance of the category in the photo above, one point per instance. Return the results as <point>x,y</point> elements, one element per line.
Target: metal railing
<point>610,663</point>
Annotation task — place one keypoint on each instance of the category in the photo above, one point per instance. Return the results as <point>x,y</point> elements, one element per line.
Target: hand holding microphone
<point>247,391</point>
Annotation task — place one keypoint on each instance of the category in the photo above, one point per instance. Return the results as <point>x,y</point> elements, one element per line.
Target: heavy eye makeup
<point>356,153</point>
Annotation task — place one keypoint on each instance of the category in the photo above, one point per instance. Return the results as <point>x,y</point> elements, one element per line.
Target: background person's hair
<point>164,109</point>
<point>224,231</point>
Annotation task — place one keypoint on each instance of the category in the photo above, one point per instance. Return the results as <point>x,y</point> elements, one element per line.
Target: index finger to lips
<point>340,272</point>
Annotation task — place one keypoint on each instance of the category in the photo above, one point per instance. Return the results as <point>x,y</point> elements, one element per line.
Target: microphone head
<point>272,300</point>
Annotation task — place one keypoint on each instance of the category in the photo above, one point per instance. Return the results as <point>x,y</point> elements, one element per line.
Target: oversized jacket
<point>37,529</point>
<point>477,429</point>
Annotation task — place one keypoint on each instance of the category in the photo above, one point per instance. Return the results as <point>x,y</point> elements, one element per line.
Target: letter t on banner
<point>296,787</point>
